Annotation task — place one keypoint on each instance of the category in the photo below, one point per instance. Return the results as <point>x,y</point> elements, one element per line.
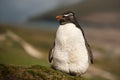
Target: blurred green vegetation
<point>2,29</point>
<point>12,52</point>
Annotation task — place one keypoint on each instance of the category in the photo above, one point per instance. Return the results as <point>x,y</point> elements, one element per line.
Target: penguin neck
<point>68,28</point>
<point>68,25</point>
<point>64,22</point>
<point>74,22</point>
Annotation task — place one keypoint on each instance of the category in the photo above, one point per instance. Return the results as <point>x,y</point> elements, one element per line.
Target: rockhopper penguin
<point>71,52</point>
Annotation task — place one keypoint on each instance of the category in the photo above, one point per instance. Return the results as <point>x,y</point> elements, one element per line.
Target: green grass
<point>41,39</point>
<point>35,72</point>
<point>12,53</point>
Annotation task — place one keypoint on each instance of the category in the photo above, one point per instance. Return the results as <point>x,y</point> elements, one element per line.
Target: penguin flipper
<point>50,57</point>
<point>89,53</point>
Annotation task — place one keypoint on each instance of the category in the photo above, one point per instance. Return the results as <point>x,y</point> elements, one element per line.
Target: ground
<point>35,72</point>
<point>103,41</point>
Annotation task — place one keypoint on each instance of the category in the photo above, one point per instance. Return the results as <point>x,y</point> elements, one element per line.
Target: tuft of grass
<point>35,72</point>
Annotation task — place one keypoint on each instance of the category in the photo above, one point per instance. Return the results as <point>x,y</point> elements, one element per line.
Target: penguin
<point>70,52</point>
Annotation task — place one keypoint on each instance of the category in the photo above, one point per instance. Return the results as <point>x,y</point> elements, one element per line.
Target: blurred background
<point>28,27</point>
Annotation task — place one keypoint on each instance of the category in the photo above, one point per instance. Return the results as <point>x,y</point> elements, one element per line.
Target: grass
<point>12,53</point>
<point>35,72</point>
<point>42,39</point>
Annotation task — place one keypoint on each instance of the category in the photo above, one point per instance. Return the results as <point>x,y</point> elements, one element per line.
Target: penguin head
<point>66,17</point>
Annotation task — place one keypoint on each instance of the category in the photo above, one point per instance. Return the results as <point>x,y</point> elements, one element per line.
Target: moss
<point>35,72</point>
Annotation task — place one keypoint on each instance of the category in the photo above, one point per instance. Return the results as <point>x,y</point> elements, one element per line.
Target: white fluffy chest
<point>69,35</point>
<point>70,49</point>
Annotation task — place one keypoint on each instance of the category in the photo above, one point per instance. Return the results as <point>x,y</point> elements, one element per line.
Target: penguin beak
<point>59,17</point>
